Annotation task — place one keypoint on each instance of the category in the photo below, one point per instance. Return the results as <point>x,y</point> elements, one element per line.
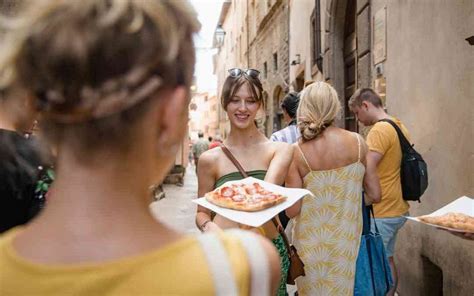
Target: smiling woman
<point>245,81</point>
<point>242,98</point>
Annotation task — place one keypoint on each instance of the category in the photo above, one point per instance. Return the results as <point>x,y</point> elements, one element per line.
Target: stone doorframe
<point>333,63</point>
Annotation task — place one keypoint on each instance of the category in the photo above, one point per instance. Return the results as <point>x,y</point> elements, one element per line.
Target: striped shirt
<point>289,134</point>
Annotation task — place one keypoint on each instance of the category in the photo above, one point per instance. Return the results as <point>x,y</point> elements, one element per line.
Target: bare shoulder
<point>208,162</point>
<point>282,147</point>
<point>210,156</point>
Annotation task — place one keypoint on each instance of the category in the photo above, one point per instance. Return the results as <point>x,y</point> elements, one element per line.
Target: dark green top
<point>258,174</point>
<point>278,242</point>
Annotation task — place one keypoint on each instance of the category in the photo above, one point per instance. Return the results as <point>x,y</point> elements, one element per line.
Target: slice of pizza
<point>244,197</point>
<point>456,221</point>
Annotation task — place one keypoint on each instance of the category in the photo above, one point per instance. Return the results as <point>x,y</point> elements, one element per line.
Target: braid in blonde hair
<point>319,107</point>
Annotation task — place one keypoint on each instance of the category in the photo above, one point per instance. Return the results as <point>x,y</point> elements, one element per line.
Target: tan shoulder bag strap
<point>234,160</point>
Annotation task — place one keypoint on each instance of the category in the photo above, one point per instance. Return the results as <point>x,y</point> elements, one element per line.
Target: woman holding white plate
<point>242,98</point>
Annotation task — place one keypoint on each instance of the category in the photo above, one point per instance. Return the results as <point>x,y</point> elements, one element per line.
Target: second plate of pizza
<point>251,201</point>
<point>458,216</point>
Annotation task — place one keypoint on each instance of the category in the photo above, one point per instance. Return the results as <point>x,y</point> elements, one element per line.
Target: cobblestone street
<point>176,209</point>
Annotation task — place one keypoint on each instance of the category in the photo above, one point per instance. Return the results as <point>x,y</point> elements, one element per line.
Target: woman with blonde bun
<point>111,80</point>
<point>330,162</point>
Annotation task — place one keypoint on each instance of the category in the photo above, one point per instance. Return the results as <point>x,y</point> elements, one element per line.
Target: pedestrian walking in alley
<point>216,142</point>
<point>199,147</point>
<point>261,158</point>
<point>385,154</point>
<point>330,162</point>
<point>112,82</point>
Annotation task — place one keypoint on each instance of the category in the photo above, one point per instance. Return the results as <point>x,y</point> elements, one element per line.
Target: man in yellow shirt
<point>385,154</point>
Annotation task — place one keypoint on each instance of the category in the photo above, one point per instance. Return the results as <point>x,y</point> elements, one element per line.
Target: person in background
<point>199,147</point>
<point>190,153</point>
<point>385,155</point>
<point>330,162</point>
<point>242,98</point>
<point>289,134</point>
<point>216,142</point>
<point>111,80</point>
<point>22,160</point>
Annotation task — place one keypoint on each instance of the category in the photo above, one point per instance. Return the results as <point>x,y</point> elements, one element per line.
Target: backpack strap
<point>257,258</point>
<point>404,143</point>
<point>219,264</point>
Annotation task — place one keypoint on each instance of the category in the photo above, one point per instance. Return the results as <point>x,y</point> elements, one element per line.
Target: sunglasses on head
<point>237,72</point>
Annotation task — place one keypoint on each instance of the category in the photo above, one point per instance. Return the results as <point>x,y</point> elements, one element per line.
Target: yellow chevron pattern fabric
<point>328,229</point>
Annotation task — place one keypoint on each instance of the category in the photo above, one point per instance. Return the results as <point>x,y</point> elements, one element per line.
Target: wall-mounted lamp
<point>219,35</point>
<point>296,61</point>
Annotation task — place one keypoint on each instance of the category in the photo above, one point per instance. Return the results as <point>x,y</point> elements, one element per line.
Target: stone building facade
<point>414,53</point>
<point>305,44</point>
<point>256,36</point>
<point>203,115</point>
<point>269,39</point>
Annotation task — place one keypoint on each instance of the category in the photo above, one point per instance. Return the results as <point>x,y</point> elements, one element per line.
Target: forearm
<point>204,222</point>
<point>201,218</point>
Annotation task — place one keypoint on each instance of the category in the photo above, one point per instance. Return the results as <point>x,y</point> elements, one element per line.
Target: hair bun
<point>309,131</point>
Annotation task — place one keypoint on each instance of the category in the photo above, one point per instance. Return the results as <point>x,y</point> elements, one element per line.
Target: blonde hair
<point>91,66</point>
<point>319,107</point>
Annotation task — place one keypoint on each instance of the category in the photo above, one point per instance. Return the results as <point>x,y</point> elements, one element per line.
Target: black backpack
<point>413,169</point>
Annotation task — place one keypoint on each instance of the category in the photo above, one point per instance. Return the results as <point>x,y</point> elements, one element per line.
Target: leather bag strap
<point>234,160</point>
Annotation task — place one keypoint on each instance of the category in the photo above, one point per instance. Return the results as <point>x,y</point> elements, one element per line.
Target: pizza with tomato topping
<point>244,197</point>
<point>458,221</point>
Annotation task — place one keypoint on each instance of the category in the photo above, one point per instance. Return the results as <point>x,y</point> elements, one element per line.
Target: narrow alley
<point>176,209</point>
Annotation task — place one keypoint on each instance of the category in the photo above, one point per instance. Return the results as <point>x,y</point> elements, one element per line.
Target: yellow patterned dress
<point>328,229</point>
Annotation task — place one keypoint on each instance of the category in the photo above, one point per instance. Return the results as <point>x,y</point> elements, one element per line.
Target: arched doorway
<point>347,55</point>
<point>350,64</point>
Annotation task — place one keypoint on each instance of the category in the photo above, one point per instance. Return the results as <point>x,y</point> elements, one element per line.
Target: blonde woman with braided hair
<point>111,80</point>
<point>330,162</point>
